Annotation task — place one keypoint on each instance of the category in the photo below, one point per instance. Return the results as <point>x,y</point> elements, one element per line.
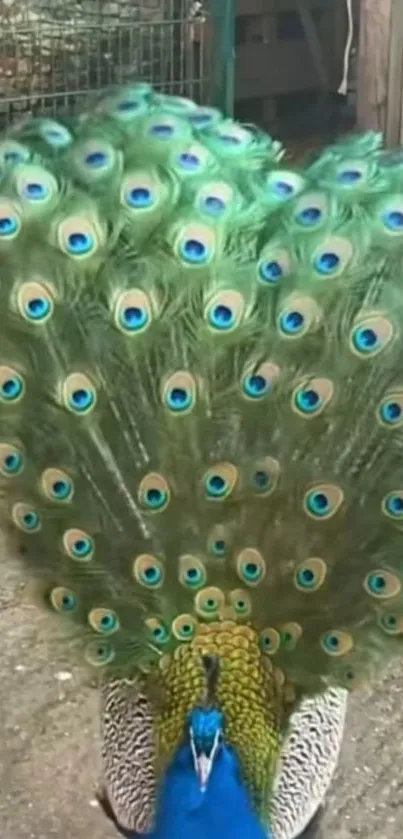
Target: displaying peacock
<point>201,423</point>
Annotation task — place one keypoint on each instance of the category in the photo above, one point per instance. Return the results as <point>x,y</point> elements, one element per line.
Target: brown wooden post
<point>375,18</point>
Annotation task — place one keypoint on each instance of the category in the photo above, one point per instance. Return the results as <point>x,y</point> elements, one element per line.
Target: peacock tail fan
<point>201,406</point>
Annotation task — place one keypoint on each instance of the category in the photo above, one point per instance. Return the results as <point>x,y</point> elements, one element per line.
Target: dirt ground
<point>48,743</point>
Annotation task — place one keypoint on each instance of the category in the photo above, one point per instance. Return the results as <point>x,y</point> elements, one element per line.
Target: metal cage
<point>55,53</point>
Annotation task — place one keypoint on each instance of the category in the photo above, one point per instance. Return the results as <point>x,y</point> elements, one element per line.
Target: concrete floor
<point>48,743</point>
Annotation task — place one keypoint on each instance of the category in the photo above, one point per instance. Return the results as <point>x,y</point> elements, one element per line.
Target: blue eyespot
<point>283,188</point>
<point>108,623</point>
<point>152,575</point>
<point>79,244</point>
<point>38,308</point>
<point>376,583</point>
<point>160,634</point>
<point>251,572</point>
<point>155,498</point>
<point>307,400</point>
<point>9,226</point>
<point>30,521</point>
<point>306,578</point>
<point>230,139</point>
<point>309,217</point>
<point>349,177</point>
<point>318,504</point>
<point>200,118</point>
<point>81,400</point>
<point>140,197</point>
<point>214,205</point>
<point>391,412</point>
<point>256,386</point>
<point>331,642</point>
<point>134,318</point>
<point>162,130</point>
<point>128,105</point>
<point>193,576</point>
<point>393,220</point>
<point>178,399</point>
<point>188,161</point>
<point>14,157</point>
<point>261,480</point>
<point>57,136</point>
<point>270,271</point>
<point>365,339</point>
<point>216,486</point>
<point>194,251</point>
<point>13,464</point>
<point>68,602</point>
<point>218,548</point>
<point>394,505</point>
<point>221,317</point>
<point>327,263</point>
<point>36,192</point>
<point>11,389</point>
<point>61,490</point>
<point>292,323</point>
<point>96,159</point>
<point>82,548</point>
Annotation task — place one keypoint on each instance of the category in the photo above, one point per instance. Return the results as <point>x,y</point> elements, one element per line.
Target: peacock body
<point>201,413</point>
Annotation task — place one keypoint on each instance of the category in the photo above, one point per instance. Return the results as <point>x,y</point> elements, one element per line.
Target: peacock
<point>201,427</point>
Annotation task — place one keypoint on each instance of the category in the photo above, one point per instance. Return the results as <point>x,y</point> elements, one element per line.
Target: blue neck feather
<point>222,812</point>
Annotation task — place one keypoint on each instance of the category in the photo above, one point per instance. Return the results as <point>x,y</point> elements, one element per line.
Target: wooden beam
<point>313,40</point>
<point>373,64</point>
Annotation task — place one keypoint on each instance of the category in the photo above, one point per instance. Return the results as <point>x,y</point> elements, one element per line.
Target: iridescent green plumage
<point>201,406</point>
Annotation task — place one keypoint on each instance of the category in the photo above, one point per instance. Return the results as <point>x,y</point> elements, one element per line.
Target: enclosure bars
<point>222,14</point>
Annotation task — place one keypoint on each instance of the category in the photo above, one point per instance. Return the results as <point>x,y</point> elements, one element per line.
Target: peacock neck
<point>223,811</point>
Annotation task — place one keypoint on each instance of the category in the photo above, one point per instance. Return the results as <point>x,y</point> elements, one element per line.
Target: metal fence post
<point>223,54</point>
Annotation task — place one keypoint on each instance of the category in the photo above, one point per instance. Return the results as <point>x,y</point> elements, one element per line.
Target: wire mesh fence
<point>55,53</point>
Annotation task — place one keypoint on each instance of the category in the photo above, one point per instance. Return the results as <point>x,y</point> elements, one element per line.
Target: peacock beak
<point>203,766</point>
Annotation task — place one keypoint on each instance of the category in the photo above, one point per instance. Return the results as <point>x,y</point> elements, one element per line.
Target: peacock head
<point>206,731</point>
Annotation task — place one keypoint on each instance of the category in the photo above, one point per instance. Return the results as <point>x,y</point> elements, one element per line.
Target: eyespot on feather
<point>126,105</point>
<point>63,600</point>
<point>13,153</point>
<point>191,159</point>
<point>57,485</point>
<point>154,493</point>
<point>54,133</point>
<point>392,505</point>
<point>25,517</point>
<point>12,460</point>
<point>10,220</point>
<point>290,633</point>
<point>179,393</point>
<point>224,311</point>
<point>201,118</point>
<point>78,394</point>
<point>241,603</point>
<point>220,481</point>
<point>311,211</point>
<point>37,189</point>
<point>104,621</point>
<point>265,476</point>
<point>192,573</point>
<point>195,244</point>
<point>99,653</point>
<point>163,129</point>
<point>382,584</point>
<point>390,411</point>
<point>142,192</point>
<point>215,199</point>
<point>80,237</point>
<point>229,139</point>
<point>158,632</point>
<point>184,627</point>
<point>391,623</point>
<point>336,642</point>
<point>283,184</point>
<point>311,397</point>
<point>176,104</point>
<point>78,545</point>
<point>133,312</point>
<point>323,501</point>
<point>352,174</point>
<point>274,265</point>
<point>250,566</point>
<point>209,602</point>
<point>258,382</point>
<point>298,316</point>
<point>218,542</point>
<point>332,257</point>
<point>94,160</point>
<point>35,302</point>
<point>148,571</point>
<point>390,216</point>
<point>310,575</point>
<point>371,335</point>
<point>269,641</point>
<point>12,385</point>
